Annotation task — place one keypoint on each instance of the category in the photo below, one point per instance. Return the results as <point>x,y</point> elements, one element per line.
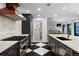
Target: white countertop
<point>6,44</point>
<point>73,43</point>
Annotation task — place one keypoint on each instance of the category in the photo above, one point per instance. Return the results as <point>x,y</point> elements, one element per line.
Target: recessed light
<point>55,15</point>
<point>27,11</point>
<point>58,20</point>
<point>38,15</point>
<point>38,9</point>
<point>78,12</point>
<point>63,8</point>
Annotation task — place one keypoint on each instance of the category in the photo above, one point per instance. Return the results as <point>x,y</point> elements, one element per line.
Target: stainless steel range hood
<point>17,16</point>
<point>12,12</point>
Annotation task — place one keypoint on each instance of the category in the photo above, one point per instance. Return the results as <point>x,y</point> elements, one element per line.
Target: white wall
<point>8,25</point>
<point>2,5</point>
<point>44,30</point>
<point>18,27</point>
<point>51,24</point>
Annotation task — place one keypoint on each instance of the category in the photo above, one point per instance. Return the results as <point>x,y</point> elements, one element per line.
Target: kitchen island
<point>22,39</point>
<point>64,47</point>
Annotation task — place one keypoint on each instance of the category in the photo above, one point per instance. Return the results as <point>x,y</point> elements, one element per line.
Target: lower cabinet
<point>64,51</point>
<point>75,53</point>
<point>12,51</point>
<point>23,43</point>
<point>53,45</point>
<point>60,49</point>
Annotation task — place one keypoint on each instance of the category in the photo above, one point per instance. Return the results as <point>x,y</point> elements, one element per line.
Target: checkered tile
<point>28,50</point>
<point>40,44</point>
<point>39,49</point>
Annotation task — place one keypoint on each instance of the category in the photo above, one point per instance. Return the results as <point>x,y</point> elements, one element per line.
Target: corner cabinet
<point>60,49</point>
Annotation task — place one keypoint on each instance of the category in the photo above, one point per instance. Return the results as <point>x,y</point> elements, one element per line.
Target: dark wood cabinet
<point>12,51</point>
<point>75,53</point>
<point>52,44</point>
<point>64,50</point>
<point>60,49</point>
<point>23,43</point>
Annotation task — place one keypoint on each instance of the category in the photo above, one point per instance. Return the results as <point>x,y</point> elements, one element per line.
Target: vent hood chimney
<point>9,10</point>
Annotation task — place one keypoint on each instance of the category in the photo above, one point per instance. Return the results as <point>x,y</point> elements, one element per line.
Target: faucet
<point>68,36</point>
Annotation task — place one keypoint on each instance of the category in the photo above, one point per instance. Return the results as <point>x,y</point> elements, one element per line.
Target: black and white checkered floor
<point>39,49</point>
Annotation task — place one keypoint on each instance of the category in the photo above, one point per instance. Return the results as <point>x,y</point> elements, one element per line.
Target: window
<point>76,28</point>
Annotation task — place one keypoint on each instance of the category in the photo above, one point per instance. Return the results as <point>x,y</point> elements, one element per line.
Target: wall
<point>2,5</point>
<point>9,26</point>
<point>51,24</point>
<point>72,25</point>
<point>72,22</point>
<point>44,30</point>
<point>18,27</point>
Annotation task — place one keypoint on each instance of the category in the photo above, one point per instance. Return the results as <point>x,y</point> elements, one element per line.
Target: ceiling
<point>56,11</point>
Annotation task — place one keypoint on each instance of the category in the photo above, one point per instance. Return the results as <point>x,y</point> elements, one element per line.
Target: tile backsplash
<point>7,25</point>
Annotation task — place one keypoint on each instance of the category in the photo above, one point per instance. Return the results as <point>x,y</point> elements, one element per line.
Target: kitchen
<point>39,29</point>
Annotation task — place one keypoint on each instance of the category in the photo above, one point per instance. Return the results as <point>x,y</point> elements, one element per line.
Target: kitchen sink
<point>63,38</point>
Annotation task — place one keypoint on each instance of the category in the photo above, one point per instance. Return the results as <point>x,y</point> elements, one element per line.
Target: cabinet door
<point>75,53</point>
<point>65,51</point>
<point>52,44</point>
<point>49,41</point>
<point>57,47</point>
<point>12,51</point>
